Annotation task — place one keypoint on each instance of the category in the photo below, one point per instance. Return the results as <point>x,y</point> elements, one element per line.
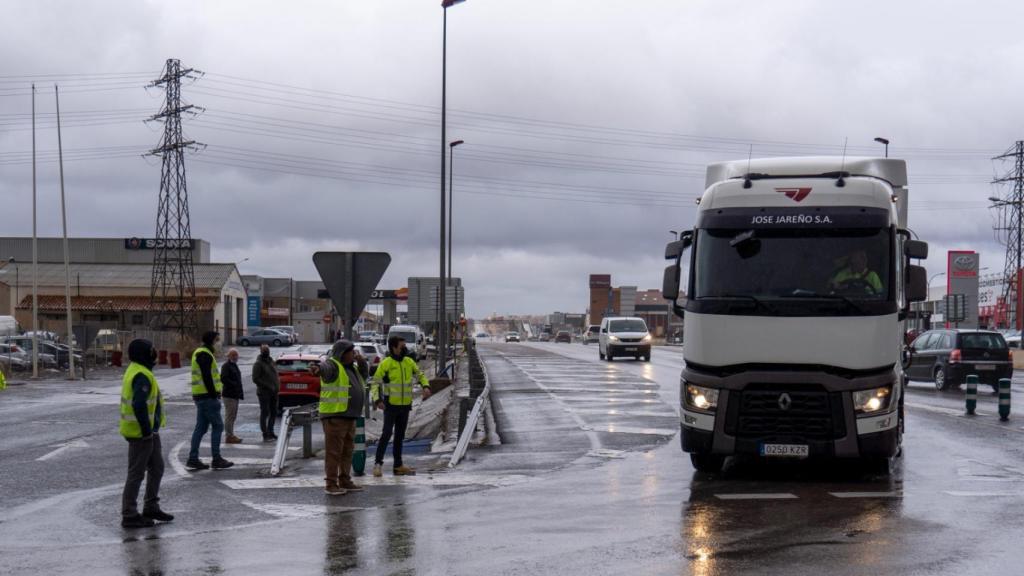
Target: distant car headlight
<point>873,400</point>
<point>701,398</point>
<point>647,338</point>
<point>613,338</point>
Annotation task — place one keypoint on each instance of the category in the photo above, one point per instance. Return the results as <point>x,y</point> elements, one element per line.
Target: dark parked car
<point>266,336</point>
<point>563,336</point>
<point>947,357</point>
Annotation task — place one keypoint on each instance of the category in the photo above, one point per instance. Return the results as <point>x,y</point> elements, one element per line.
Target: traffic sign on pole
<point>350,278</point>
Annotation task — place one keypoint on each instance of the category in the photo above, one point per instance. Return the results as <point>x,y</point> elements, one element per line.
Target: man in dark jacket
<point>142,416</point>
<point>340,423</point>
<point>206,392</point>
<point>231,377</point>
<point>264,375</point>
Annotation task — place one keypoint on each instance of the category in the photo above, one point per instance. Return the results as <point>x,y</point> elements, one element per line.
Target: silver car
<point>266,336</point>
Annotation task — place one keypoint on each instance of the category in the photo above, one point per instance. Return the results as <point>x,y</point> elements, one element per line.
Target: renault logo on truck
<point>795,194</point>
<point>785,402</point>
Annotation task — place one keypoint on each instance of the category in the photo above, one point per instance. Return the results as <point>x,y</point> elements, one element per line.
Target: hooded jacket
<point>264,375</point>
<point>357,392</point>
<point>142,352</point>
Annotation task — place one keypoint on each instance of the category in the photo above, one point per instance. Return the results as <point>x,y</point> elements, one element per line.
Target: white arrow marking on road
<point>61,448</point>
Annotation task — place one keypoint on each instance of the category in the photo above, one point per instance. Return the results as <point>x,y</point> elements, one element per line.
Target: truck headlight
<point>873,400</point>
<point>647,338</point>
<point>700,397</point>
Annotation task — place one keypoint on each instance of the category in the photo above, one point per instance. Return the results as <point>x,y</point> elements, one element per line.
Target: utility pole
<point>67,255</point>
<point>1010,223</point>
<point>173,291</point>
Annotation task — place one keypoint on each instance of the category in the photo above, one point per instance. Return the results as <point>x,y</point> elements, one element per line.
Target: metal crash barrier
<point>303,416</point>
<point>479,389</point>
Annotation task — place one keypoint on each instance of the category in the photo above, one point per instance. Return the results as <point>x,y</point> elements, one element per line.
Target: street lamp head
<point>455,143</point>
<point>881,140</point>
<point>450,3</point>
<point>994,200</point>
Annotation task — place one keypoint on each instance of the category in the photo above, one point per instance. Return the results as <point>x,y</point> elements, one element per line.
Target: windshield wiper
<point>758,303</point>
<point>801,293</point>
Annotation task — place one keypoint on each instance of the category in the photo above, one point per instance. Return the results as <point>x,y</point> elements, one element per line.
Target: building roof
<point>207,276</point>
<point>107,304</point>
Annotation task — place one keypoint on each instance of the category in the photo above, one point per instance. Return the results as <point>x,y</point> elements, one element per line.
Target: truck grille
<point>804,414</point>
<point>629,340</point>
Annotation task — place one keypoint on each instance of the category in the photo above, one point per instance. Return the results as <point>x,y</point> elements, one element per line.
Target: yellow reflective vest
<point>3,381</point>
<point>869,277</point>
<point>198,387</point>
<point>397,378</point>
<point>334,395</point>
<point>129,425</point>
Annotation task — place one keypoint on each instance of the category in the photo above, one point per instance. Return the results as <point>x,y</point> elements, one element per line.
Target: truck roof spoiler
<point>892,170</point>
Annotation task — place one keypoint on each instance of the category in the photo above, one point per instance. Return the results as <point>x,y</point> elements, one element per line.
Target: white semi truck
<point>799,282</point>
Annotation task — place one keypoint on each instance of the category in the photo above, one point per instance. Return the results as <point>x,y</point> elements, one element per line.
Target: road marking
<point>765,496</point>
<point>62,448</point>
<point>616,429</point>
<point>175,459</point>
<point>419,480</point>
<point>897,494</point>
<point>607,453</point>
<point>965,494</point>
<point>299,510</point>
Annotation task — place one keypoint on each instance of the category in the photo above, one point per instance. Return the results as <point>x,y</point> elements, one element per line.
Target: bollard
<point>1004,399</point>
<point>307,439</point>
<point>972,394</point>
<point>359,455</point>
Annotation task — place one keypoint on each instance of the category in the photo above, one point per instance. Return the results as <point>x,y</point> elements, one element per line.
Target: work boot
<point>377,472</point>
<point>157,514</point>
<point>221,464</point>
<point>335,491</point>
<point>268,439</point>
<point>405,471</point>
<point>196,464</point>
<point>137,521</point>
<point>351,486</point>
<point>233,439</point>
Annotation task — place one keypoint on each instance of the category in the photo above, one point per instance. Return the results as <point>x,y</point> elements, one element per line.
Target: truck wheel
<point>940,378</point>
<point>707,463</point>
<point>647,358</point>
<point>608,355</point>
<point>599,353</point>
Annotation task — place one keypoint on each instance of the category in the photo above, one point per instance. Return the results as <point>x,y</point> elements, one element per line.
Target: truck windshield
<point>823,269</point>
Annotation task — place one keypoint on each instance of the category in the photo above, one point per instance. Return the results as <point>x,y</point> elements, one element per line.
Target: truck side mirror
<point>674,249</point>
<point>917,283</point>
<point>670,283</point>
<point>915,249</point>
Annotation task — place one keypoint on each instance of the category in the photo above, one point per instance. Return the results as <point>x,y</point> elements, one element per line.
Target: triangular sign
<point>350,277</point>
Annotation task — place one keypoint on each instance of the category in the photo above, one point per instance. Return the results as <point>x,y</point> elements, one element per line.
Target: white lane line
<point>62,448</point>
<point>625,413</point>
<point>299,510</point>
<point>607,453</point>
<point>765,496</point>
<point>896,494</point>
<point>369,483</point>
<point>966,494</point>
<point>616,429</point>
<point>175,458</point>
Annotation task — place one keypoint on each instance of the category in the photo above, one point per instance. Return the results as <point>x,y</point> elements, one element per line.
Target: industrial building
<point>607,300</point>
<point>424,298</point>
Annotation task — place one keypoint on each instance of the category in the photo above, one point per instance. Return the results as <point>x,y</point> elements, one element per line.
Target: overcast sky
<point>587,124</point>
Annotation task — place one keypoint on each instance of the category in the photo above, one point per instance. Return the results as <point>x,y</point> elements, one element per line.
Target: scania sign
<point>155,243</point>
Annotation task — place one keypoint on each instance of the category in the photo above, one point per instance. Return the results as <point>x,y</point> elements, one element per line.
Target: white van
<point>624,336</point>
<point>413,336</point>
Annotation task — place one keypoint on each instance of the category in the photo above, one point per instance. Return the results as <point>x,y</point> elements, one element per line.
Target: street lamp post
<point>451,218</point>
<point>442,303</point>
<point>885,142</point>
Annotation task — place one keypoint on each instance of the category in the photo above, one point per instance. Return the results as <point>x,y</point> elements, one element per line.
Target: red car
<point>298,385</point>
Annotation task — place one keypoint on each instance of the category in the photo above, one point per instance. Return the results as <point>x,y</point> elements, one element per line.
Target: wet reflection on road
<point>757,515</point>
<point>342,546</point>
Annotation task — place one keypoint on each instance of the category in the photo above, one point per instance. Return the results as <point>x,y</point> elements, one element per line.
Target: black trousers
<point>268,413</point>
<point>395,419</point>
<point>145,461</point>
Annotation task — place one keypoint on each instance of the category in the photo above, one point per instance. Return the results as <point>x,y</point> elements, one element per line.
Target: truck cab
<point>799,278</point>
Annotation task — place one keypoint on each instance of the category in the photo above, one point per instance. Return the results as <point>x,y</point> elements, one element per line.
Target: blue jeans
<point>207,415</point>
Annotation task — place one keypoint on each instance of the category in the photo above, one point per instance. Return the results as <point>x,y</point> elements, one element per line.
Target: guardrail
<point>480,389</point>
<point>303,416</point>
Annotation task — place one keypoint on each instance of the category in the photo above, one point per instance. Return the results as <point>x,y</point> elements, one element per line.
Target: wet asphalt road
<point>589,479</point>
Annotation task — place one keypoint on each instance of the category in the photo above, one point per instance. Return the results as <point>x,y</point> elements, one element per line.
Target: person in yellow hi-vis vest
<point>391,391</point>
<point>206,391</point>
<point>3,381</point>
<point>142,417</point>
<point>342,398</point>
